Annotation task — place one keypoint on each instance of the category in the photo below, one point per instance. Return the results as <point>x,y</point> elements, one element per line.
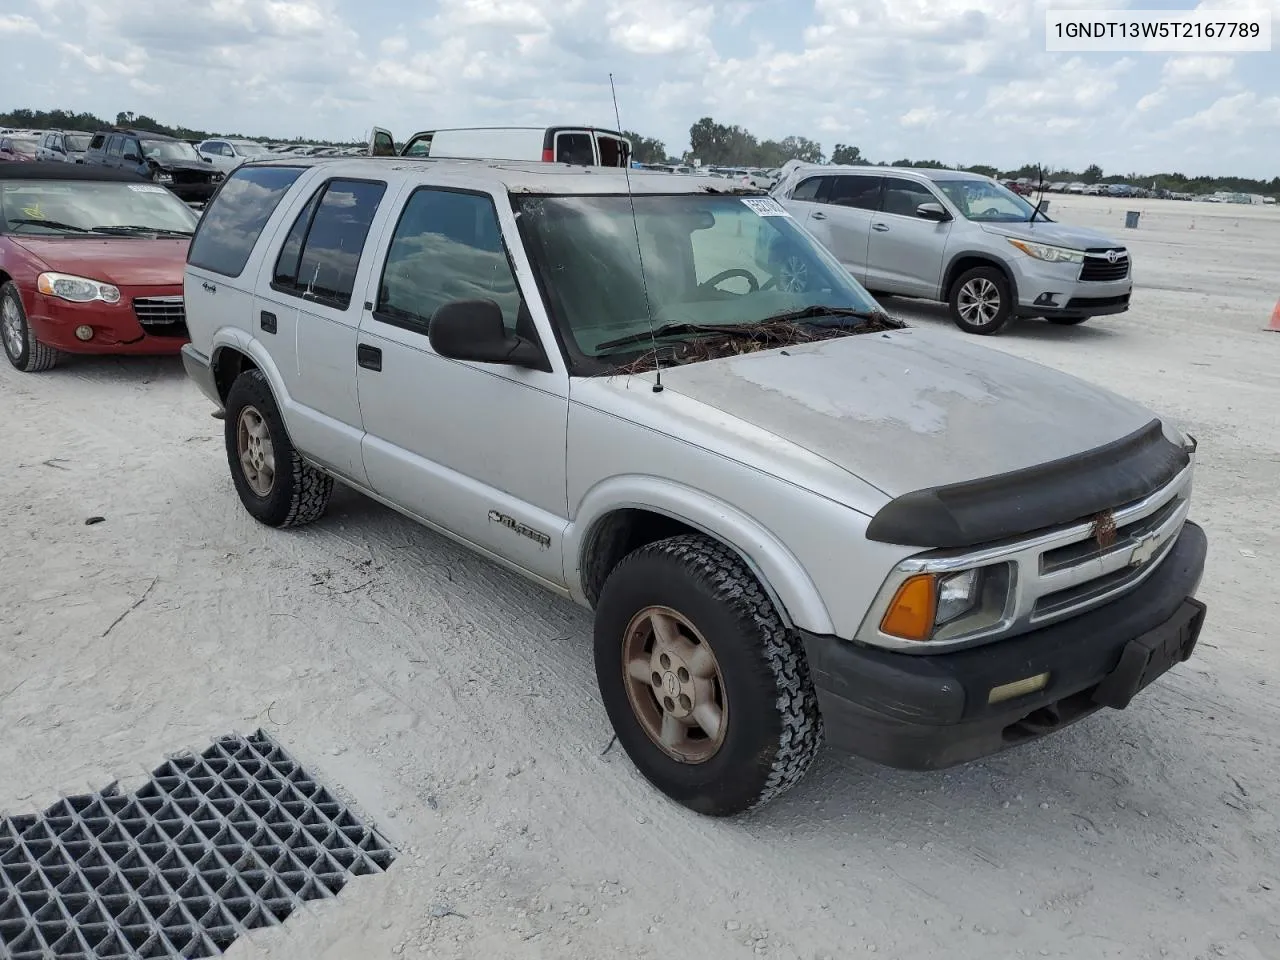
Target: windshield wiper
<point>820,312</point>
<point>136,228</point>
<point>51,224</point>
<point>670,329</point>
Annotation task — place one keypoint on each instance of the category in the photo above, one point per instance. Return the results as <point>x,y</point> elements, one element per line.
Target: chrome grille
<point>163,316</point>
<point>1098,267</point>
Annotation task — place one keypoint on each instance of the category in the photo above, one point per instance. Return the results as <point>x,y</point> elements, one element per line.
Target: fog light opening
<point>84,332</point>
<point>1018,688</point>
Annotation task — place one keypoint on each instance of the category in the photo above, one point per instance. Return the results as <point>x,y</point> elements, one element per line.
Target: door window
<point>115,146</point>
<point>234,221</point>
<point>383,145</point>
<point>858,191</point>
<point>575,148</point>
<point>613,152</point>
<point>447,246</point>
<point>332,230</point>
<point>129,149</point>
<point>901,196</point>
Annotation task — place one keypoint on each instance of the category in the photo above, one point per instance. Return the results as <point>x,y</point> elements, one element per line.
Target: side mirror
<point>932,211</point>
<point>473,330</point>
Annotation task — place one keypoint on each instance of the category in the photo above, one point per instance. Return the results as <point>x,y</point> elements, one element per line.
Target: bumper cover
<point>200,369</point>
<point>922,712</point>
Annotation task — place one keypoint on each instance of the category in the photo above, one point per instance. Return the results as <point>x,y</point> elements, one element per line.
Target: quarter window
<point>331,231</point>
<point>234,221</point>
<point>447,246</point>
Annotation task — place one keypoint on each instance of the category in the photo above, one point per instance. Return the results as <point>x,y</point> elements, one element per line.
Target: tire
<point>295,492</point>
<point>981,285</point>
<point>22,348</point>
<point>769,728</point>
<point>1067,321</point>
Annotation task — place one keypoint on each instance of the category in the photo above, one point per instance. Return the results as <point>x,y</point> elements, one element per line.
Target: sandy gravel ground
<point>456,705</point>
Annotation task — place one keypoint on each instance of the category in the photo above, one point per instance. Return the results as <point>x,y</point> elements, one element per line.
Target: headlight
<point>76,289</point>
<point>1047,253</point>
<point>948,605</point>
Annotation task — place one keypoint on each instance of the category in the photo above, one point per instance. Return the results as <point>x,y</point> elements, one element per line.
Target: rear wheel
<point>981,302</point>
<point>708,691</point>
<point>22,348</point>
<point>275,484</point>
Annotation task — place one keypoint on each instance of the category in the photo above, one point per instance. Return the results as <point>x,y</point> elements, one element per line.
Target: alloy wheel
<point>979,302</point>
<point>257,453</point>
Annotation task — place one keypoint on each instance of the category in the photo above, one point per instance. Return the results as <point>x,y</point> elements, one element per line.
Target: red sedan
<point>91,261</point>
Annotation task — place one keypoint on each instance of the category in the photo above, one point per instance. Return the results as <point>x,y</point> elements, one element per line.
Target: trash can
<point>1043,206</point>
<point>1131,219</point>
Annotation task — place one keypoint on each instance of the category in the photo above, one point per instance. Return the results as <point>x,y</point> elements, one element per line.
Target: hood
<point>199,166</point>
<point>911,409</point>
<point>122,262</point>
<point>1055,234</point>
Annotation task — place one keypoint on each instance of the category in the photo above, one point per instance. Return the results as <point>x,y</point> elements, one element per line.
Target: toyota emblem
<point>1112,256</point>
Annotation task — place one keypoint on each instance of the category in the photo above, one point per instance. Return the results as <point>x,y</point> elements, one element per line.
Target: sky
<point>960,81</point>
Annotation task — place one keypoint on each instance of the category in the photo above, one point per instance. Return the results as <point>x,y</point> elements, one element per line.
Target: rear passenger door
<point>842,220</point>
<point>309,283</point>
<point>476,449</point>
<point>906,250</point>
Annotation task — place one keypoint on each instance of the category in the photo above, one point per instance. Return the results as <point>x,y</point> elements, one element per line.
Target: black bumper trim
<point>200,369</point>
<point>925,712</point>
<point>1047,495</point>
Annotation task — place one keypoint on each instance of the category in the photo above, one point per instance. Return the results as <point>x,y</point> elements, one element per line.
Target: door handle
<point>267,321</point>
<point>369,357</point>
<point>819,215</point>
<point>880,227</point>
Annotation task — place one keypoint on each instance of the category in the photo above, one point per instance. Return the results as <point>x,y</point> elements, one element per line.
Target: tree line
<point>715,144</point>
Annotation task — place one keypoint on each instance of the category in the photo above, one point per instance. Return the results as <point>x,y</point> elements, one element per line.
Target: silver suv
<point>959,238</point>
<point>791,515</point>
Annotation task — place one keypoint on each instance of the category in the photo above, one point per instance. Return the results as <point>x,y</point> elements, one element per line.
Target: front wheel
<point>981,301</point>
<point>275,484</point>
<point>708,691</point>
<point>22,348</point>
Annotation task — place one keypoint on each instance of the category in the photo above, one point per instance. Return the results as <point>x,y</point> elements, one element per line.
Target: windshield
<point>77,142</point>
<point>76,207</point>
<point>708,260</point>
<point>169,150</point>
<point>249,149</point>
<point>986,201</point>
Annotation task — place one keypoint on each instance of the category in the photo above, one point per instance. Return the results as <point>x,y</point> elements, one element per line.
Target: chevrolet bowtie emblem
<point>1144,550</point>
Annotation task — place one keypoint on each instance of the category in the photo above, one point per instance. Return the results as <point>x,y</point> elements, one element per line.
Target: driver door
<point>905,251</point>
<point>381,143</point>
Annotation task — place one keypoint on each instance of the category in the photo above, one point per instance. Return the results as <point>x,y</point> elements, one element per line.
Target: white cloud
<point>867,72</point>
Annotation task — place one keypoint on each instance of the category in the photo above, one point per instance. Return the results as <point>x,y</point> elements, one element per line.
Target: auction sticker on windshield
<point>765,206</point>
<point>146,188</point>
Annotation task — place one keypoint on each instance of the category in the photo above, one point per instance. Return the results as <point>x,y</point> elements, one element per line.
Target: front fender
<point>779,571</point>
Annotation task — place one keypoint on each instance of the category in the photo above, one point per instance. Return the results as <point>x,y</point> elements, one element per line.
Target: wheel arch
<point>624,514</point>
<point>962,262</point>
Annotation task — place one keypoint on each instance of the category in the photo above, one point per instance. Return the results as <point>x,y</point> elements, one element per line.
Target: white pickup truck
<point>791,515</point>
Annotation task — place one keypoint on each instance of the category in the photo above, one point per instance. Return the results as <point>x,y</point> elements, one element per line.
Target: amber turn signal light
<point>913,610</point>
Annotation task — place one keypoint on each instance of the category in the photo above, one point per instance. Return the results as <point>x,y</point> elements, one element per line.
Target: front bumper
<point>116,329</point>
<point>1054,289</point>
<point>922,712</point>
<point>193,192</point>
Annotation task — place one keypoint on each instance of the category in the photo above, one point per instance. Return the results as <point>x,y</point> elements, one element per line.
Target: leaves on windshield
<point>761,336</point>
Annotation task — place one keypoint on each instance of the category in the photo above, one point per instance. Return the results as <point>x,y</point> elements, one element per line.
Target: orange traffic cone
<point>1274,325</point>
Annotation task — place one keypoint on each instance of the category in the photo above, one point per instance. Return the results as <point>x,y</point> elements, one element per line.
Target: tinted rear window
<point>234,220</point>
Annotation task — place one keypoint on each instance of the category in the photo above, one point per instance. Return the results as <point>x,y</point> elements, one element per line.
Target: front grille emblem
<point>1112,256</point>
<point>1144,550</point>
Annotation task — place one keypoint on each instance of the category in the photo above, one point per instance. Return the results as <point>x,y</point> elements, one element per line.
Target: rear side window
<point>234,220</point>
<point>97,142</point>
<point>809,189</point>
<point>856,191</point>
<point>329,235</point>
<point>575,148</point>
<point>613,152</point>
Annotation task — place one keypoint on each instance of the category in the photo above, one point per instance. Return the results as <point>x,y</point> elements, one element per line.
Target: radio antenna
<point>635,226</point>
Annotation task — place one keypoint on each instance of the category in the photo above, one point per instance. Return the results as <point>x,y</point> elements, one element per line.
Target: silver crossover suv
<point>956,237</point>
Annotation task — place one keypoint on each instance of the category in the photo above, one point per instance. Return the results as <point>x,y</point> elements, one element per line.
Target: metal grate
<point>215,845</point>
<point>161,314</point>
<point>1099,268</point>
